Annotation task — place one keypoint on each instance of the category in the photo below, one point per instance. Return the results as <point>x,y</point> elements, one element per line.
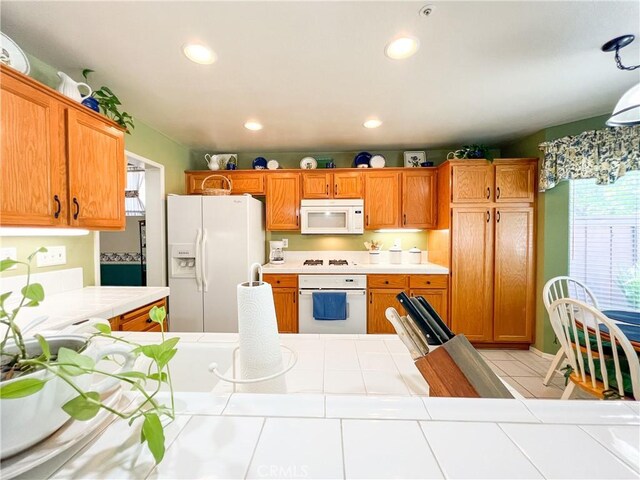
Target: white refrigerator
<point>213,240</point>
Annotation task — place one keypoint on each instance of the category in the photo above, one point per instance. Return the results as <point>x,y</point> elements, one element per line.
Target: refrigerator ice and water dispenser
<point>183,261</point>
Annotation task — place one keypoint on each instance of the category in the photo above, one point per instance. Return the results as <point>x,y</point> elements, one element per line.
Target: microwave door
<point>322,220</point>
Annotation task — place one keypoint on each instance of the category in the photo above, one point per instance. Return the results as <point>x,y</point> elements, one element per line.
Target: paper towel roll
<point>260,353</point>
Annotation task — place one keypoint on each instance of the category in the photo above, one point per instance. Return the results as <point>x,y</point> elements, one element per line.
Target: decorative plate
<point>11,54</point>
<point>273,165</point>
<point>361,160</point>
<point>377,161</point>
<point>308,163</point>
<point>259,163</point>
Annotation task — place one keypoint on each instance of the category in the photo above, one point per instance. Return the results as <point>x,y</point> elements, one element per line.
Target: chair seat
<point>588,387</point>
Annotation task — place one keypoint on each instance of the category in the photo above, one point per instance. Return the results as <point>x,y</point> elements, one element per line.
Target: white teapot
<point>219,162</point>
<point>70,88</point>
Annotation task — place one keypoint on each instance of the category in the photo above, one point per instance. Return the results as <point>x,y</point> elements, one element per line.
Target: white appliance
<point>355,286</point>
<point>340,217</point>
<point>213,240</point>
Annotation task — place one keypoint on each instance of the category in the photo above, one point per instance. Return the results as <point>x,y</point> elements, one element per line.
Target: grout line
<point>344,463</point>
<point>521,450</point>
<point>255,448</point>
<point>167,447</point>
<point>634,467</point>
<point>435,457</point>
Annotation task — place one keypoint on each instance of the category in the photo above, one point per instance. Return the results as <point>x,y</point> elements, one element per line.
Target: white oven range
<point>355,286</point>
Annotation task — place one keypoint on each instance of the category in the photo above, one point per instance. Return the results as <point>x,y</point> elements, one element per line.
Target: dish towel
<point>329,305</point>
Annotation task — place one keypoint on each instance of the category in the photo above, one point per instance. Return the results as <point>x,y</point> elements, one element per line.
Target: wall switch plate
<point>285,242</point>
<point>53,256</point>
<point>9,252</point>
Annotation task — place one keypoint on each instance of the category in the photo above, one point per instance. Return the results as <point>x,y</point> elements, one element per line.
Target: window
<point>605,240</point>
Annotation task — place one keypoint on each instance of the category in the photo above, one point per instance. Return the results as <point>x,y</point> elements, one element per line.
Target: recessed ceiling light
<point>254,126</point>
<point>401,48</point>
<point>199,53</point>
<point>373,123</point>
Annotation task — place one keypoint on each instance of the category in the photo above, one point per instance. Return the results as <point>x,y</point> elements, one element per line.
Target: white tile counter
<point>329,437</point>
<point>361,268</point>
<point>354,436</point>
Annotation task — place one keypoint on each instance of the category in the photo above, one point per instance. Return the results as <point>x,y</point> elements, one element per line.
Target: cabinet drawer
<point>429,281</point>
<point>387,281</point>
<point>282,281</point>
<point>138,319</point>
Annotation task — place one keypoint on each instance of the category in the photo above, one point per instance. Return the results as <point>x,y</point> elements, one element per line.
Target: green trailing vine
<point>67,365</point>
<point>109,104</point>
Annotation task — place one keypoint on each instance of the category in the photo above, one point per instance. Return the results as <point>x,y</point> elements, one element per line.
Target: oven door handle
<point>353,292</point>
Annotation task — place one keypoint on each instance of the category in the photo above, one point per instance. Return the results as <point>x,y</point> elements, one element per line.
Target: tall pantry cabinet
<point>489,210</point>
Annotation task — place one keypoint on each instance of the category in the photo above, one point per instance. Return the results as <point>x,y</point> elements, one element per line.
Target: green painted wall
<point>144,141</point>
<point>394,158</point>
<point>552,248</point>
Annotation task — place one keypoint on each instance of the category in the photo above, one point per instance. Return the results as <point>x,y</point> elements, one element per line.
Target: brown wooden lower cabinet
<point>285,299</point>
<point>379,300</point>
<point>383,290</point>
<point>138,320</point>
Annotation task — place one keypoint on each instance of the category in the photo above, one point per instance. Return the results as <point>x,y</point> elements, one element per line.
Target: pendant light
<point>627,110</point>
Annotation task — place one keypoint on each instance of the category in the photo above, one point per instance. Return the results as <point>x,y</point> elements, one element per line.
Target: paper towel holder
<point>251,282</point>
<point>213,368</point>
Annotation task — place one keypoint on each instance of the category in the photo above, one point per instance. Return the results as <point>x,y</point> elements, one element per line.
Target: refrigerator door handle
<point>198,261</point>
<point>204,260</point>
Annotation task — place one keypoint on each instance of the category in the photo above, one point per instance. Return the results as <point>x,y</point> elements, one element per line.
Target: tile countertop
<point>244,435</point>
<point>355,268</point>
<point>71,306</point>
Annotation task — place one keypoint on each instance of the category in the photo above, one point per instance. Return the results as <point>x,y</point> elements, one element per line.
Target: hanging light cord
<point>619,62</point>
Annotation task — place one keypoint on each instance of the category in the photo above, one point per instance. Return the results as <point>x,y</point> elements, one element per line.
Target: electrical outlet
<point>9,252</point>
<point>53,256</point>
<point>285,242</point>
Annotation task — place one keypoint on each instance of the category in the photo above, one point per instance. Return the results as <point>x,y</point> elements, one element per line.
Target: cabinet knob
<point>58,206</point>
<point>428,282</point>
<point>277,281</point>
<point>386,282</point>
<point>149,320</point>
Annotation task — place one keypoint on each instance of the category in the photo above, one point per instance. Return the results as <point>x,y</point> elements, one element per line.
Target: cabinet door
<point>316,185</point>
<point>472,183</point>
<point>246,182</point>
<point>283,201</point>
<point>286,303</point>
<point>515,182</point>
<point>382,200</point>
<point>96,166</point>
<point>514,279</point>
<point>32,175</point>
<point>379,301</point>
<point>437,298</point>
<point>193,182</point>
<point>419,199</point>
<point>472,273</point>
<point>348,185</point>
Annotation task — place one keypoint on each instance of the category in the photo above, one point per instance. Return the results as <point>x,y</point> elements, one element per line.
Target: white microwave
<point>332,217</point>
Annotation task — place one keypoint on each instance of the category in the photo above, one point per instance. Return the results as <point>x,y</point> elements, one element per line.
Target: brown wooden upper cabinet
<point>242,181</point>
<point>332,185</point>
<point>382,200</point>
<point>96,173</point>
<point>515,181</point>
<point>283,201</point>
<point>62,164</point>
<point>419,199</point>
<point>472,183</point>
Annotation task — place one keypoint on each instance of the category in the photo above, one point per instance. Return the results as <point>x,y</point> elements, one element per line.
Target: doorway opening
<point>136,256</point>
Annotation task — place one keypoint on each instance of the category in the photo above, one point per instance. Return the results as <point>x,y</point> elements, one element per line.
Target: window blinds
<point>605,238</point>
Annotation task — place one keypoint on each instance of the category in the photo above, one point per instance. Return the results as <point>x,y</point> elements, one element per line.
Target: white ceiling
<point>312,72</point>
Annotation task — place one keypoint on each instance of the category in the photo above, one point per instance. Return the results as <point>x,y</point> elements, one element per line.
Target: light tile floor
<point>525,370</point>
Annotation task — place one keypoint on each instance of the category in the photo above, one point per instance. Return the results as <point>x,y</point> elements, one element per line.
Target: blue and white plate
<point>362,159</point>
<point>259,163</point>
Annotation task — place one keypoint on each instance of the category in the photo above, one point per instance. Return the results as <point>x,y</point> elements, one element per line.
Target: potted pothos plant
<point>106,101</point>
<point>45,380</point>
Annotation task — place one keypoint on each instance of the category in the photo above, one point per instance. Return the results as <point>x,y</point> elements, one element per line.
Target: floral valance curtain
<point>601,154</point>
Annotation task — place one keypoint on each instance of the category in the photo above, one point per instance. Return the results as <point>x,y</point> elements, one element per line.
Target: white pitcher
<point>213,161</point>
<point>70,88</point>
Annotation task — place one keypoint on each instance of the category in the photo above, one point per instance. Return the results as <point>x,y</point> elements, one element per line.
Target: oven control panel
<point>332,282</point>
